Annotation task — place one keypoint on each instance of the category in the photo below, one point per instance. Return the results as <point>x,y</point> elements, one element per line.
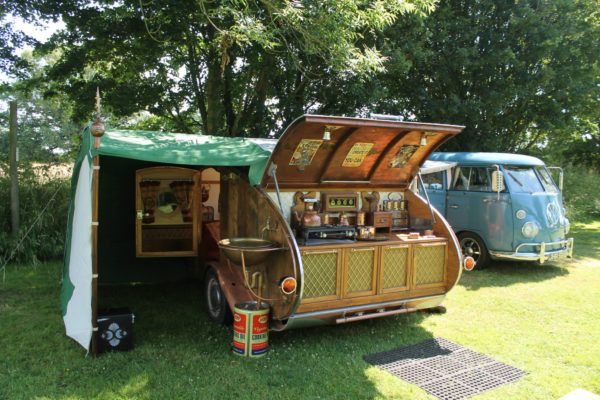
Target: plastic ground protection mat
<point>445,369</point>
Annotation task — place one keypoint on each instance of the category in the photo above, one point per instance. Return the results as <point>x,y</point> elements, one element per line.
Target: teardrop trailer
<point>319,225</point>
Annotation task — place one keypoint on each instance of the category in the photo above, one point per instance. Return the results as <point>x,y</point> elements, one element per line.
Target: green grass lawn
<point>543,319</point>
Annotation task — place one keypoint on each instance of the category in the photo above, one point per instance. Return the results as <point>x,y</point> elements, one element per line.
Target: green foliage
<point>581,194</point>
<point>516,74</point>
<point>37,190</point>
<point>232,67</point>
<point>44,129</point>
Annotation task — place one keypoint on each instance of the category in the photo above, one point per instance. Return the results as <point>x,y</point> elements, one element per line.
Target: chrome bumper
<point>542,255</point>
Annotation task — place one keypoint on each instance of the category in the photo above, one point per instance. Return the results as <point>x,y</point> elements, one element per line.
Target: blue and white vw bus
<point>501,206</point>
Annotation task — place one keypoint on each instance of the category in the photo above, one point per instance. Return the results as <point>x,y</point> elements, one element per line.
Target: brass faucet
<point>268,227</point>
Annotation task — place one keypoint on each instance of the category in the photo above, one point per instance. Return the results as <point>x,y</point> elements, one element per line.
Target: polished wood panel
<point>247,211</point>
<point>376,292</point>
<point>418,208</point>
<point>355,301</point>
<point>322,164</point>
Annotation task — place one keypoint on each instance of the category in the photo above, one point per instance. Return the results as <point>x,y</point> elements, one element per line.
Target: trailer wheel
<point>216,303</point>
<point>473,246</point>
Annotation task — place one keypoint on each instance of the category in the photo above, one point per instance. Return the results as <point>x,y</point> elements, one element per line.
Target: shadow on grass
<point>502,273</point>
<point>176,343</point>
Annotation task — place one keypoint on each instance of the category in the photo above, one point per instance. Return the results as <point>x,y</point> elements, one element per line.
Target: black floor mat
<point>445,369</point>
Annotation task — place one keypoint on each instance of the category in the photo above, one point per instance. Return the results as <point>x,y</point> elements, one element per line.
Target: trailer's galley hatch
<point>167,204</point>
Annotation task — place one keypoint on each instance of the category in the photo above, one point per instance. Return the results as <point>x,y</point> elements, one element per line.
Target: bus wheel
<point>472,246</point>
<point>216,303</point>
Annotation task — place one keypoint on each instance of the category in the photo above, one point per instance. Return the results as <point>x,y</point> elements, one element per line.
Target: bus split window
<point>473,179</point>
<point>523,179</point>
<point>547,180</point>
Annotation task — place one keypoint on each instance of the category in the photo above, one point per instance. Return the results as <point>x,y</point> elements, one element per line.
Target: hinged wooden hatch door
<point>321,151</point>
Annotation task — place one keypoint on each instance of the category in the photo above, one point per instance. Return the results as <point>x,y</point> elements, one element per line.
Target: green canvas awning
<point>186,149</point>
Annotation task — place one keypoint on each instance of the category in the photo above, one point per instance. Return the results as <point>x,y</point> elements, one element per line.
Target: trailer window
<point>473,179</point>
<point>523,180</point>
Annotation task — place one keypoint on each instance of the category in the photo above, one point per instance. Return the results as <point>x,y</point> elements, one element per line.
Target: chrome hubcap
<point>214,297</point>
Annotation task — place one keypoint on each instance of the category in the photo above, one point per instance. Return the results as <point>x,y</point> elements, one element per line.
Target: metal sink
<point>255,250</point>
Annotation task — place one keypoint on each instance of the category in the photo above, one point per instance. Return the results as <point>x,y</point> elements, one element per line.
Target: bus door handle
<point>453,205</point>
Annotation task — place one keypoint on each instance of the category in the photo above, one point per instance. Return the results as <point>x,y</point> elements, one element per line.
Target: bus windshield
<point>547,180</point>
<point>523,179</point>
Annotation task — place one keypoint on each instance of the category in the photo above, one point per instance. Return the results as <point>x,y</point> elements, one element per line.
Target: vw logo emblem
<point>552,214</point>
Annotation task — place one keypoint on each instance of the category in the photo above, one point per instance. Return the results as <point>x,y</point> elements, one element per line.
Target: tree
<point>517,74</point>
<point>45,127</point>
<point>235,67</point>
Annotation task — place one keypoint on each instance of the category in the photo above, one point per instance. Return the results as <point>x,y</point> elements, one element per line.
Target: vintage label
<point>403,155</point>
<point>305,151</point>
<point>357,154</point>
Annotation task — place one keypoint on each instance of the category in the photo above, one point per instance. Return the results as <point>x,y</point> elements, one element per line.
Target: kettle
<point>310,217</point>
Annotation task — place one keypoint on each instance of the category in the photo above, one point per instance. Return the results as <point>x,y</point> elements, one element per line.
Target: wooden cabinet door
<point>429,260</point>
<point>395,268</point>
<point>360,272</point>
<point>322,276</point>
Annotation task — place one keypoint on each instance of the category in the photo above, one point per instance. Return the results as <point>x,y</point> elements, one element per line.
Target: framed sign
<point>339,201</point>
<point>305,151</point>
<point>357,154</point>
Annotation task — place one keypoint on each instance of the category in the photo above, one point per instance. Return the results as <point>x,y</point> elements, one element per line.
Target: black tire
<point>472,245</point>
<point>216,303</point>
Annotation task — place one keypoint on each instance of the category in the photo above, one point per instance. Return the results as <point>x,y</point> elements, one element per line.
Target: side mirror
<point>561,176</point>
<point>497,181</point>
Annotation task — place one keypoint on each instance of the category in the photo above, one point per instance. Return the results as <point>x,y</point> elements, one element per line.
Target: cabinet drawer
<point>380,219</point>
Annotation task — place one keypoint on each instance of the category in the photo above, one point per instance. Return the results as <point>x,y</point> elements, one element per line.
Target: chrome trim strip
<point>542,256</point>
<point>361,307</point>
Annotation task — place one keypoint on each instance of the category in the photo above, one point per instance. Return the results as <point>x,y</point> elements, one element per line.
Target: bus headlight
<point>521,214</point>
<point>530,229</point>
<point>567,225</point>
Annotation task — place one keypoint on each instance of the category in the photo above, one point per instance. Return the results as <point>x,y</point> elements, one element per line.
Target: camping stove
<point>327,234</point>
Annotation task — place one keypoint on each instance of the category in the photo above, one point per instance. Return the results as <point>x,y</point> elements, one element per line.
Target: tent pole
<point>95,184</point>
<point>97,130</point>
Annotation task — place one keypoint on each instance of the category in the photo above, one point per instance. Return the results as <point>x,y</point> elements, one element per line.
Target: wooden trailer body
<point>341,159</point>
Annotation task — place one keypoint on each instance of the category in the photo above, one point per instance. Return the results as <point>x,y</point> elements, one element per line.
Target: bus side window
<point>473,179</point>
<point>434,181</point>
<point>461,178</point>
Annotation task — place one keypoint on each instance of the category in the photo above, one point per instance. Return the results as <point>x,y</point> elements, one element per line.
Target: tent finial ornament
<point>97,128</point>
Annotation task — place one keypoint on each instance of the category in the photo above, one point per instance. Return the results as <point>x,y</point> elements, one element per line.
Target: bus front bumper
<point>538,252</point>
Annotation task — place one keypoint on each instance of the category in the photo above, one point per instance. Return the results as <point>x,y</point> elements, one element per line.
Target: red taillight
<point>288,285</point>
<point>469,263</point>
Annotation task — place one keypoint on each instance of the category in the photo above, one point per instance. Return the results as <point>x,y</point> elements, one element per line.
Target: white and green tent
<point>120,154</point>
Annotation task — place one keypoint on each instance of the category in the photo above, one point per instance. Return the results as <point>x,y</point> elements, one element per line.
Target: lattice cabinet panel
<point>394,263</point>
<point>429,260</point>
<point>361,267</point>
<point>320,273</point>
